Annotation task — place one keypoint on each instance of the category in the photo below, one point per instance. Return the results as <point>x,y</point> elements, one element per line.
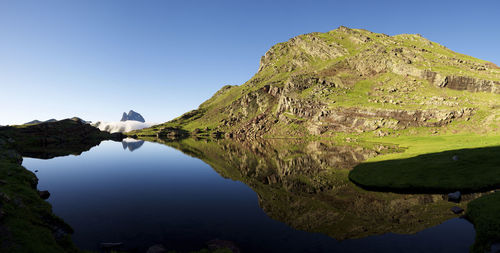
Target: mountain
<point>80,120</point>
<point>38,121</point>
<point>132,116</point>
<point>351,81</point>
<point>56,138</point>
<point>132,144</point>
<point>54,120</point>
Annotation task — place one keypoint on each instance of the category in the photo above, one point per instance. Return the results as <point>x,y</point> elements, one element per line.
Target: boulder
<point>44,194</point>
<point>454,196</point>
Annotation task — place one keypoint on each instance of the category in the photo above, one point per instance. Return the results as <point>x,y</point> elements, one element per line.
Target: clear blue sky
<point>97,58</point>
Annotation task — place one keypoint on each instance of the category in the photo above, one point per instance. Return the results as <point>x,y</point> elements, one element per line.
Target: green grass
<point>28,219</point>
<point>475,170</point>
<point>422,143</point>
<point>427,164</point>
<point>485,214</point>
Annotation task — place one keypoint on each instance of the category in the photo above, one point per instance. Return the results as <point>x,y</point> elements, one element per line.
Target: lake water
<point>158,194</point>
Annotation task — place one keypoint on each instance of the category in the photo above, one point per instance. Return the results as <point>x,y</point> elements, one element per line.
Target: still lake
<point>145,193</point>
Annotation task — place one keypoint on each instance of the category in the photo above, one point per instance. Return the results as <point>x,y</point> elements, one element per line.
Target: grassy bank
<point>434,164</point>
<point>467,170</point>
<point>428,165</point>
<point>27,223</point>
<point>485,214</point>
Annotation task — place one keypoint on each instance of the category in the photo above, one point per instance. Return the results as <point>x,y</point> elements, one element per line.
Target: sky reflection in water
<point>156,194</point>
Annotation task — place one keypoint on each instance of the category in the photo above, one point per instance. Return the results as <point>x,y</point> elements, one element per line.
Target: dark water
<point>157,194</point>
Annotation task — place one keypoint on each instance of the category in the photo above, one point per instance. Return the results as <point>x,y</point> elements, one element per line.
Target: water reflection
<point>131,144</point>
<point>264,195</point>
<point>305,184</point>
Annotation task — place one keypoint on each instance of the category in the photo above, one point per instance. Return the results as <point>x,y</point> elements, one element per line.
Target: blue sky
<point>97,58</point>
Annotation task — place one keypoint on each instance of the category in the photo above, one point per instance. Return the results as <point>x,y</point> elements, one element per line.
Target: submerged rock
<point>223,244</point>
<point>495,248</point>
<point>158,248</point>
<point>456,210</point>
<point>109,245</point>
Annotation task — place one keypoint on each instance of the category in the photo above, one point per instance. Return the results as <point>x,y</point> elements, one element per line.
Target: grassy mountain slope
<point>352,81</point>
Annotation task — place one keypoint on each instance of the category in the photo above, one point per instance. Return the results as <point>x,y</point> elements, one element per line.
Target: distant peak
<point>132,115</point>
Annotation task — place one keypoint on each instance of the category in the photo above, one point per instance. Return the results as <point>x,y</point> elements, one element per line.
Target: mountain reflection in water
<point>132,144</point>
<point>305,185</point>
<point>282,196</point>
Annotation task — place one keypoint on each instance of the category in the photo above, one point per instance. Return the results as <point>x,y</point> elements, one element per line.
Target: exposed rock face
<point>462,82</point>
<point>132,116</point>
<point>348,80</point>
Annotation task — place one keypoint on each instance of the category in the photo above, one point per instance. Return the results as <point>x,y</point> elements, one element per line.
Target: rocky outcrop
<point>318,118</point>
<point>171,133</point>
<point>361,120</point>
<point>462,82</point>
<point>471,84</point>
<point>132,116</point>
